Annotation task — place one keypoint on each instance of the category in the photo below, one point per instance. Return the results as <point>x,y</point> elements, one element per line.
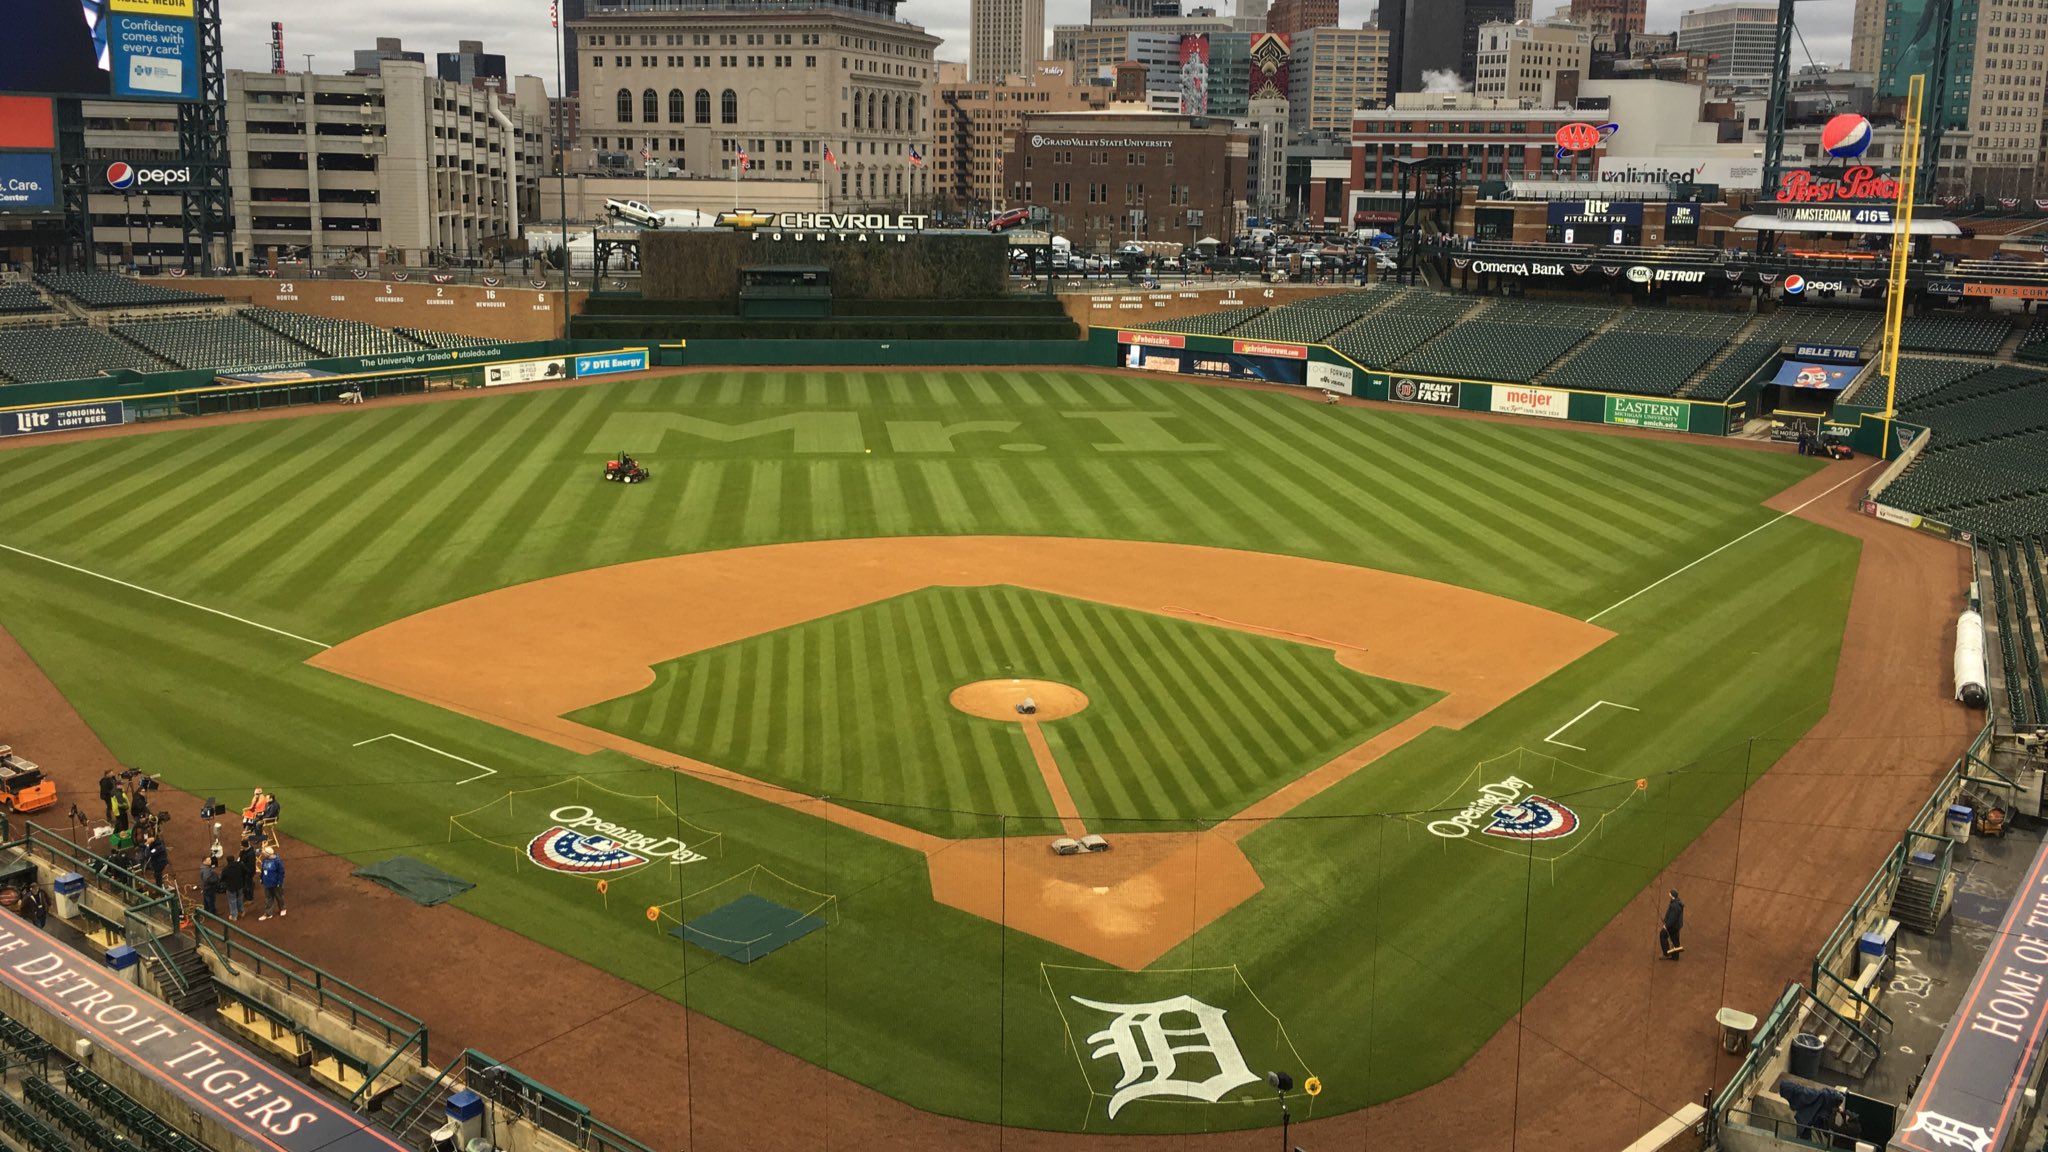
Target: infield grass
<point>1387,954</point>
<point>1186,722</point>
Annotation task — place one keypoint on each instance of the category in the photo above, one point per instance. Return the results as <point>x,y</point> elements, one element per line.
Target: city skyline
<point>333,34</point>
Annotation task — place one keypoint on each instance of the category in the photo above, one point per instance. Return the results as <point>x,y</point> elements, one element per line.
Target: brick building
<point>1289,17</point>
<point>1109,177</point>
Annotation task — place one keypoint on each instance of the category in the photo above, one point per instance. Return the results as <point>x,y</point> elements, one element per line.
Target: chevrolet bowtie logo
<point>745,220</point>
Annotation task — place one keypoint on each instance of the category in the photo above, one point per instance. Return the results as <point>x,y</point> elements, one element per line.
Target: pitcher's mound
<point>998,699</point>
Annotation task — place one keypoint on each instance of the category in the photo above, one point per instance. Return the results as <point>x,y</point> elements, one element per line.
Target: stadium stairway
<point>189,972</point>
<point>1606,326</point>
<point>2009,350</point>
<point>1742,336</point>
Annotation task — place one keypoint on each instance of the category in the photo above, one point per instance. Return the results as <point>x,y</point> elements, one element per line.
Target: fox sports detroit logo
<point>567,850</point>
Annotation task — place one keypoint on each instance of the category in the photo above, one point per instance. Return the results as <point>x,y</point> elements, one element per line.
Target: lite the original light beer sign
<point>854,227</point>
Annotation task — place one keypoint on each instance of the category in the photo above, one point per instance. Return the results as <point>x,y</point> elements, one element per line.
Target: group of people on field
<point>254,863</point>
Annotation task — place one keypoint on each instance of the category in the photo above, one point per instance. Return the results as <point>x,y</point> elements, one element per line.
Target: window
<point>625,108</point>
<point>728,107</point>
<point>675,105</point>
<point>703,106</point>
<point>650,107</point>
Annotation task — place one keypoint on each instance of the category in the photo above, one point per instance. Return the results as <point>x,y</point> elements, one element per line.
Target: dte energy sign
<point>610,363</point>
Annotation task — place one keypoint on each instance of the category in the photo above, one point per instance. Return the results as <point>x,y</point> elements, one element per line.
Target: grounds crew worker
<point>1674,922</point>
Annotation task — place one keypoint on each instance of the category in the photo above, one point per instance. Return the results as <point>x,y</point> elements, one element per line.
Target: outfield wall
<point>513,311</point>
<point>1320,366</point>
<point>1109,303</point>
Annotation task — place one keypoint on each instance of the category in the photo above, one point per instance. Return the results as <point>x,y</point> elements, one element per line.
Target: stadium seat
<point>213,342</point>
<point>1383,337</point>
<point>1309,321</point>
<point>107,290</point>
<point>19,299</point>
<point>67,352</point>
<point>1942,332</point>
<point>445,339</point>
<point>1209,323</point>
<point>329,336</point>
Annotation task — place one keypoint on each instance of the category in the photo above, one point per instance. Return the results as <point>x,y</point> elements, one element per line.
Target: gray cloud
<point>331,31</point>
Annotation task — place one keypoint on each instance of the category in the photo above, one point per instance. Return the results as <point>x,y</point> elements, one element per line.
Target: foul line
<point>1724,547</point>
<point>164,596</point>
<point>487,771</point>
<point>1553,737</point>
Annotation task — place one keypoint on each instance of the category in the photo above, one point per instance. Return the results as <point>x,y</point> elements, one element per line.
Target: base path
<point>527,656</point>
<point>1615,1042</point>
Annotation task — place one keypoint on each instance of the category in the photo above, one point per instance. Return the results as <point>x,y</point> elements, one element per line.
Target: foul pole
<point>562,162</point>
<point>1902,246</point>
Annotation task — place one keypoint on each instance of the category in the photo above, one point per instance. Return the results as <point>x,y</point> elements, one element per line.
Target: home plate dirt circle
<point>998,699</point>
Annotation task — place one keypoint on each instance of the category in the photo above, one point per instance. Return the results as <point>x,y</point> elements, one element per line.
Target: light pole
<point>148,226</point>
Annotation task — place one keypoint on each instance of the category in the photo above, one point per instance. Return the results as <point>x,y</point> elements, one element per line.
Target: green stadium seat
<point>330,336</point>
<point>1942,332</point>
<point>445,339</point>
<point>68,352</point>
<point>213,342</point>
<point>107,290</point>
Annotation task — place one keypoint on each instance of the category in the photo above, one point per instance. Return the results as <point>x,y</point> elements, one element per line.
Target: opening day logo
<point>604,848</point>
<point>1511,810</point>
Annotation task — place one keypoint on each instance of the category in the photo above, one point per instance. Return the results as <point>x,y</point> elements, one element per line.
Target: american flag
<point>743,159</point>
<point>916,158</point>
<point>830,158</point>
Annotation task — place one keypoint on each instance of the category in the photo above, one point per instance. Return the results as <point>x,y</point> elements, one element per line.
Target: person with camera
<point>209,884</point>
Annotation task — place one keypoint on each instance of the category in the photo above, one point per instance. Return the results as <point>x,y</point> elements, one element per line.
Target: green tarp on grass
<point>416,880</point>
<point>748,928</point>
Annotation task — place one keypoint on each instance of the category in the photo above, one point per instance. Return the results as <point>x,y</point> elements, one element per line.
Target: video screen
<point>132,49</point>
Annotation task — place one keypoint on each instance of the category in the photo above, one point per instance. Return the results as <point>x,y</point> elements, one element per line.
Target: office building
<point>1604,17</point>
<point>972,124</point>
<point>779,81</point>
<point>570,11</point>
<point>370,60</point>
<point>1738,40</point>
<point>470,64</point>
<point>1436,36</point>
<point>1331,73</point>
<point>384,169</point>
<point>1109,177</point>
<point>1992,131</point>
<point>1003,37</point>
<point>1866,37</point>
<point>1526,62</point>
<point>1292,17</point>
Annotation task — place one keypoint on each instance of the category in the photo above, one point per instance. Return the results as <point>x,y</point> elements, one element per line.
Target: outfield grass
<point>1386,953</point>
<point>1186,722</point>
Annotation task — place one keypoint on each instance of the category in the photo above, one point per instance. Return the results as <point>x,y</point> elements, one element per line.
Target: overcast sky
<point>519,28</point>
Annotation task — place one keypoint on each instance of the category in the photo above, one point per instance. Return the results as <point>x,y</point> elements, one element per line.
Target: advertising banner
<point>154,56</point>
<point>260,1106</point>
<point>1194,75</point>
<point>154,7</point>
<point>1835,352</point>
<point>1230,365</point>
<point>1545,402</point>
<point>25,122</point>
<point>1806,374</point>
<point>1257,348</point>
<point>1596,213</point>
<point>1407,390</point>
<point>1152,339</point>
<point>525,372</point>
<point>1338,378</point>
<point>70,418</point>
<point>28,182</point>
<point>2006,291</point>
<point>1646,412</point>
<point>612,363</point>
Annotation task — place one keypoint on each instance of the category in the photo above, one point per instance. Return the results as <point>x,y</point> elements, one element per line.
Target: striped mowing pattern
<point>330,525</point>
<point>1185,721</point>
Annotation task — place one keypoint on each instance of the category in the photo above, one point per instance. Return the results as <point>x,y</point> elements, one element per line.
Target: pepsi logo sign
<point>1845,137</point>
<point>122,176</point>
<point>1795,284</point>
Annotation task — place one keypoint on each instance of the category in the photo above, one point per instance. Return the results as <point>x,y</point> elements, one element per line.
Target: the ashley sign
<point>267,1105</point>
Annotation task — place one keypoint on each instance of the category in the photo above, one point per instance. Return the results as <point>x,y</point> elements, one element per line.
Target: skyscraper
<point>1435,36</point>
<point>572,10</point>
<point>1290,17</point>
<point>1606,17</point>
<point>1004,37</point>
<point>1740,41</point>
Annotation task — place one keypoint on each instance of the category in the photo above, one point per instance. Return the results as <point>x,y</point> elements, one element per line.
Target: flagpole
<point>562,160</point>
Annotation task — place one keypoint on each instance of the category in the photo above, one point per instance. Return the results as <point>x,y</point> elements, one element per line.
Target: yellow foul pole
<point>1902,246</point>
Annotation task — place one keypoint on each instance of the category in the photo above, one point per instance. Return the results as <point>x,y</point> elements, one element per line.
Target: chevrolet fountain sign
<point>860,227</point>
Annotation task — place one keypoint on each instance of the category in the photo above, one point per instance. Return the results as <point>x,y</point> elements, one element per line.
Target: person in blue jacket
<point>271,871</point>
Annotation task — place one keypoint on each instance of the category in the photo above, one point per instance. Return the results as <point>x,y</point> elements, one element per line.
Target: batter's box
<point>1176,1038</point>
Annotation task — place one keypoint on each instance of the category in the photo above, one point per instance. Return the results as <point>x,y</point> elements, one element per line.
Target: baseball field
<point>1381,715</point>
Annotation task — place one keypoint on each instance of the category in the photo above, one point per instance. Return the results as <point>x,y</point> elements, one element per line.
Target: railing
<point>239,951</point>
<point>543,1106</point>
<point>412,1112</point>
<point>1762,1047</point>
<point>1871,1040</point>
<point>1877,892</point>
<point>139,925</point>
<point>132,890</point>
